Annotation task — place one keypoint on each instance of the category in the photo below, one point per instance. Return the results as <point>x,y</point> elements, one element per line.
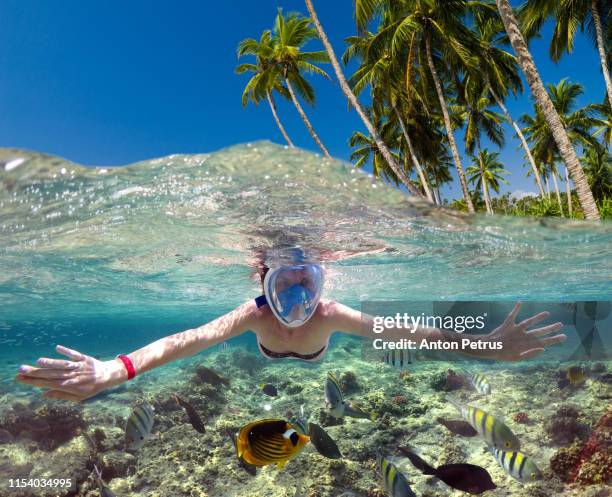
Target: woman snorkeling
<point>290,320</point>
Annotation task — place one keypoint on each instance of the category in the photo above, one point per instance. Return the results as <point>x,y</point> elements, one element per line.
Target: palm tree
<point>265,79</point>
<point>566,150</point>
<point>487,172</point>
<point>440,167</point>
<point>598,168</point>
<point>498,70</point>
<point>289,35</point>
<point>577,123</point>
<point>383,75</point>
<point>438,28</point>
<point>380,144</point>
<point>604,127</point>
<point>365,150</point>
<point>569,15</point>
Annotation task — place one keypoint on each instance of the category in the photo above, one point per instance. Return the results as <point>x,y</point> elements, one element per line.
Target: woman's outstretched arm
<point>83,376</point>
<point>517,341</point>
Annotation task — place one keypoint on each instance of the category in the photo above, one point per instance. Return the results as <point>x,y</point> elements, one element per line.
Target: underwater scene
<point>106,260</point>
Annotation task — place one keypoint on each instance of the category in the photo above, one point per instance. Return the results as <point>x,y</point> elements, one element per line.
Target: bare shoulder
<point>339,316</point>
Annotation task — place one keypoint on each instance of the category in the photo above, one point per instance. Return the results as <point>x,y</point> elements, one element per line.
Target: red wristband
<point>129,366</point>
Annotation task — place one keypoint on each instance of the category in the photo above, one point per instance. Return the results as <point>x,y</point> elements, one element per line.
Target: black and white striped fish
<point>518,465</point>
<point>397,358</point>
<point>139,426</point>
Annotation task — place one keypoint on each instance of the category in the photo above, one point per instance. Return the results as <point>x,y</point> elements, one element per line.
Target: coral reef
<point>348,382</point>
<point>589,462</point>
<point>447,381</point>
<point>564,426</point>
<point>521,417</point>
<point>48,425</point>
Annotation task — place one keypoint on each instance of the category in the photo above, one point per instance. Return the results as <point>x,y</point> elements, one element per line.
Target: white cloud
<point>519,194</point>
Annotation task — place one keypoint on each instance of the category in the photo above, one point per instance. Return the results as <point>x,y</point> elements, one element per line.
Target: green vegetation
<point>440,69</point>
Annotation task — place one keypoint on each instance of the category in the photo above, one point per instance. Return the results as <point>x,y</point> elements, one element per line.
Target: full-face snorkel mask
<point>292,291</point>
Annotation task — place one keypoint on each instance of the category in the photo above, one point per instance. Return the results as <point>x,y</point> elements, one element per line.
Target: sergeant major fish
<point>395,483</point>
<point>139,426</point>
<point>491,429</point>
<point>479,383</point>
<point>397,358</point>
<point>518,465</point>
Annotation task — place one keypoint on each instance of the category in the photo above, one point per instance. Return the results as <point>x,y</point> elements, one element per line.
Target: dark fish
<point>249,468</point>
<point>458,427</point>
<point>562,383</point>
<point>324,444</point>
<point>466,477</point>
<point>397,358</point>
<point>194,417</point>
<point>207,375</point>
<point>269,389</point>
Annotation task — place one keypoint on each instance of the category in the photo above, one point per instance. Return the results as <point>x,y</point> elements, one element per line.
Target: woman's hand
<point>77,379</point>
<point>520,343</point>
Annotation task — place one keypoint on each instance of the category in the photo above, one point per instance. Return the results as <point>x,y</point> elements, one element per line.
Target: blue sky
<point>109,83</point>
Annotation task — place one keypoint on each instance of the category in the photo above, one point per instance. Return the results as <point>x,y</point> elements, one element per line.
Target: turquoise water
<point>107,259</point>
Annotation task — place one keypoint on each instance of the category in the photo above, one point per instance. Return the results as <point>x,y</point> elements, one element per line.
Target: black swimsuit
<point>280,355</point>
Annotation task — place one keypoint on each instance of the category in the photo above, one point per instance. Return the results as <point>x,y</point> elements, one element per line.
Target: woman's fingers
<point>545,330</point>
<point>46,362</point>
<point>512,316</point>
<point>528,354</point>
<point>53,384</point>
<point>45,372</point>
<point>533,319</point>
<point>56,394</point>
<point>547,341</point>
<point>73,354</point>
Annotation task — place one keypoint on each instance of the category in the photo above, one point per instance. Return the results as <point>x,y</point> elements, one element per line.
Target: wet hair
<point>262,271</point>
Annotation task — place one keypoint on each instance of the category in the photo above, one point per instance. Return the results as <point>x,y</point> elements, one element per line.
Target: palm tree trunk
<point>566,150</point>
<point>305,119</point>
<point>547,186</point>
<point>521,137</point>
<point>437,195</point>
<point>413,156</point>
<point>601,49</point>
<point>278,123</point>
<point>380,144</point>
<point>485,187</point>
<point>554,178</point>
<point>568,189</point>
<point>447,123</point>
